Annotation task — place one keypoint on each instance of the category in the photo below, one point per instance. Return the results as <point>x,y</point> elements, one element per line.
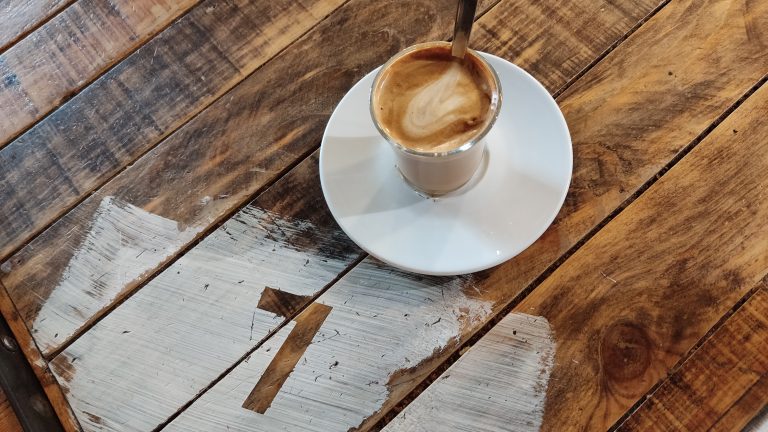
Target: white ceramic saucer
<point>509,203</point>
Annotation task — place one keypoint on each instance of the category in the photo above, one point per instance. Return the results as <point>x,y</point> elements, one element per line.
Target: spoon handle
<point>465,16</point>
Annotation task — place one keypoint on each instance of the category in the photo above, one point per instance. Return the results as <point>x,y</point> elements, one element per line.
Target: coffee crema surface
<point>430,101</point>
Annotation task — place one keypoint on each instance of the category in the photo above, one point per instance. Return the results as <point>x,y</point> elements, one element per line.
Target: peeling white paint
<point>499,384</point>
<point>123,242</point>
<point>382,321</point>
<point>166,343</point>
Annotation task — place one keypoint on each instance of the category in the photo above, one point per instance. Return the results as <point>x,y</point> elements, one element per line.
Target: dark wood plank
<point>722,386</point>
<point>70,51</point>
<point>39,365</point>
<point>18,17</point>
<point>249,151</point>
<point>139,102</point>
<point>8,420</point>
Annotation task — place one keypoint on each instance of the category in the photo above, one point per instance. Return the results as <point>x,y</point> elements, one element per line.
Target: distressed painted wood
<point>138,103</point>
<point>206,311</point>
<point>39,365</point>
<point>722,386</point>
<point>217,161</point>
<point>499,384</point>
<point>629,142</point>
<point>382,322</point>
<point>19,17</point>
<point>70,51</point>
<point>8,420</point>
<point>250,151</point>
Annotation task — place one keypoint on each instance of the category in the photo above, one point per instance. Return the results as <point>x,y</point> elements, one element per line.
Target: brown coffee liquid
<point>429,101</point>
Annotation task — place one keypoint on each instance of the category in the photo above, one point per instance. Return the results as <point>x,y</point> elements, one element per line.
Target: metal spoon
<point>465,16</point>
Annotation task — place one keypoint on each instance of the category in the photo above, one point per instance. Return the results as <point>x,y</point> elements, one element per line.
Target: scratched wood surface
<point>101,130</point>
<point>230,136</point>
<point>8,420</point>
<point>46,67</point>
<point>379,377</point>
<point>722,386</point>
<point>374,335</point>
<point>19,17</point>
<point>646,137</point>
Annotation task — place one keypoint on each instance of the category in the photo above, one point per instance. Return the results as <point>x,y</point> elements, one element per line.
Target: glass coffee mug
<point>438,172</point>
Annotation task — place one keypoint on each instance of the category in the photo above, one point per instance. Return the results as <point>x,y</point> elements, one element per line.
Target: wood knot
<point>625,351</point>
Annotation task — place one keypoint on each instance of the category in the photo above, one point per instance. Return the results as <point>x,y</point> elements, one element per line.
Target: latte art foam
<point>431,102</point>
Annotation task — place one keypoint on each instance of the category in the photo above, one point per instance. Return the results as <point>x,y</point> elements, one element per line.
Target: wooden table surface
<point>169,263</point>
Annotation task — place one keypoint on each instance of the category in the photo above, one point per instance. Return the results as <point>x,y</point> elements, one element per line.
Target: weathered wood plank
<point>8,420</point>
<point>717,387</point>
<point>196,191</point>
<point>39,365</point>
<point>70,51</point>
<point>629,139</point>
<point>139,102</point>
<point>759,423</point>
<point>203,310</point>
<point>18,17</point>
<point>499,384</point>
<point>213,164</point>
<point>627,306</point>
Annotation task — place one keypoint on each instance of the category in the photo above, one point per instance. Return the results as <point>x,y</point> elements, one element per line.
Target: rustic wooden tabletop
<point>169,263</point>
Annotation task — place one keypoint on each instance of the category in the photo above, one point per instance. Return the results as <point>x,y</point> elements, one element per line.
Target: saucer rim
<point>457,270</point>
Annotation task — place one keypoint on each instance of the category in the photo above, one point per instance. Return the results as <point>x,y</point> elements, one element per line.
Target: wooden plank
<point>499,384</point>
<point>19,17</point>
<point>627,140</point>
<point>627,306</point>
<point>722,386</point>
<point>759,423</point>
<point>39,365</point>
<point>248,159</point>
<point>204,311</point>
<point>8,420</point>
<point>70,51</point>
<point>138,103</point>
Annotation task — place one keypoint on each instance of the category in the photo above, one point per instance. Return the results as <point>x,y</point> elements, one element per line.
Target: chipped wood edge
<point>39,364</point>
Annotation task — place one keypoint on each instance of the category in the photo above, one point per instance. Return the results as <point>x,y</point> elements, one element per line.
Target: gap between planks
<point>26,32</point>
<point>218,222</point>
<point>167,134</point>
<point>762,285</point>
<point>482,331</point>
<point>84,85</point>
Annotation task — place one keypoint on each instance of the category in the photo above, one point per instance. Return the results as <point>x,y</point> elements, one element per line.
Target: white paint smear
<point>165,344</point>
<point>382,321</point>
<point>499,384</point>
<point>123,242</point>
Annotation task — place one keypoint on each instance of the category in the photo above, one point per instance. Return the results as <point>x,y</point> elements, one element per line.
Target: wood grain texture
<point>722,386</point>
<point>18,17</point>
<point>50,386</point>
<point>70,51</point>
<point>615,156</point>
<point>239,134</point>
<point>139,102</point>
<point>201,315</point>
<point>635,298</point>
<point>289,354</point>
<point>383,322</point>
<point>8,420</point>
<point>217,161</point>
<point>499,384</point>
